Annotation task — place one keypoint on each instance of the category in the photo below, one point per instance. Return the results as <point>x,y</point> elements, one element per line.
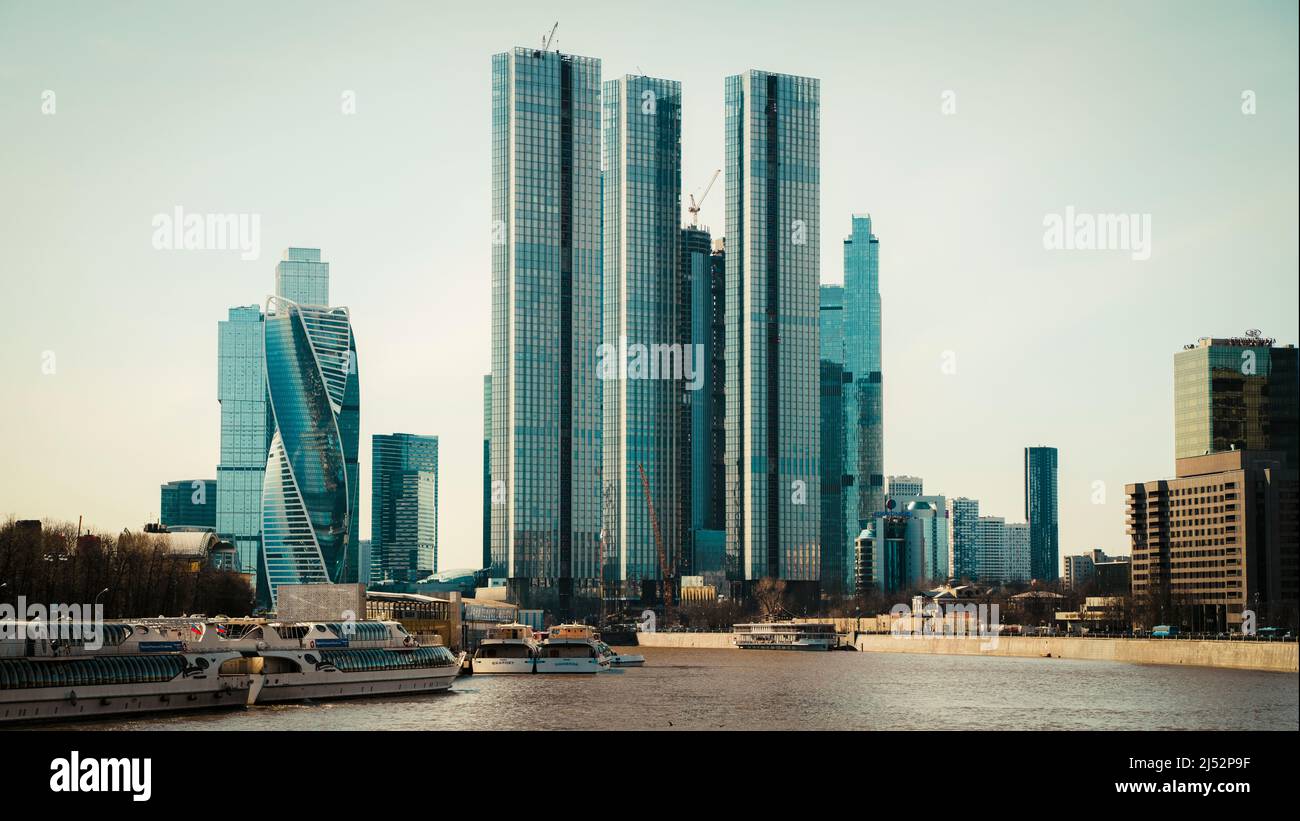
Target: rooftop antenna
<point>694,207</point>
<point>546,41</point>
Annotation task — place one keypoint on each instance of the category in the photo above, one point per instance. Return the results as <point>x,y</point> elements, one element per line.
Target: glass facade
<point>189,503</point>
<point>703,265</point>
<point>646,315</point>
<point>310,492</point>
<point>931,515</point>
<point>864,429</point>
<point>1238,393</point>
<point>963,516</point>
<point>837,571</point>
<point>487,470</point>
<point>403,507</point>
<point>301,277</point>
<point>1041,511</point>
<point>245,432</point>
<point>546,299</point>
<point>773,205</point>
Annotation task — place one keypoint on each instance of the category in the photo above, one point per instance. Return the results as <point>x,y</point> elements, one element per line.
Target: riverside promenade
<point>1272,656</point>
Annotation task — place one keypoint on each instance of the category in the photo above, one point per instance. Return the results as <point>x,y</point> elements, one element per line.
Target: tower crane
<point>659,539</point>
<point>546,41</point>
<point>694,207</point>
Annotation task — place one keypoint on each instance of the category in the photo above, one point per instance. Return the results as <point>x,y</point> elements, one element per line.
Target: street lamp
<point>100,593</point>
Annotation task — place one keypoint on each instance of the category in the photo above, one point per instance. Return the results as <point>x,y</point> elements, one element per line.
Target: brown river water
<point>690,689</point>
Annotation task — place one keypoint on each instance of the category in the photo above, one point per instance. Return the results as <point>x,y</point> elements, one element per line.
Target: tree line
<point>131,574</point>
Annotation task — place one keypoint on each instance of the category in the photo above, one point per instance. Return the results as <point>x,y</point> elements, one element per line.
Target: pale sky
<point>1112,108</point>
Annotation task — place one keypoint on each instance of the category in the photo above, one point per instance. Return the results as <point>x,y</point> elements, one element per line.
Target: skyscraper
<point>773,187</point>
<point>546,294</point>
<point>931,514</point>
<point>646,332</point>
<point>403,506</point>
<point>963,520</point>
<point>189,503</point>
<point>246,429</point>
<point>1041,511</point>
<point>487,471</point>
<point>838,534</point>
<point>704,273</point>
<point>301,277</point>
<point>1237,393</point>
<point>863,389</point>
<point>1017,549</point>
<point>310,492</point>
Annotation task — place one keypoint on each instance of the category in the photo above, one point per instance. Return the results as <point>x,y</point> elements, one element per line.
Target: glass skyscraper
<point>864,429</point>
<point>189,503</point>
<point>646,332</point>
<point>704,270</point>
<point>963,537</point>
<point>487,470</point>
<point>246,428</point>
<point>1238,393</point>
<point>403,506</point>
<point>310,492</point>
<point>301,277</point>
<point>773,188</point>
<point>546,301</point>
<point>838,534</point>
<point>1041,511</point>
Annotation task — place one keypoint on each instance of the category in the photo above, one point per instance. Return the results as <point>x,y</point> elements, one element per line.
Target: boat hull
<point>275,688</point>
<point>569,665</point>
<point>502,666</point>
<point>115,700</point>
<point>806,646</point>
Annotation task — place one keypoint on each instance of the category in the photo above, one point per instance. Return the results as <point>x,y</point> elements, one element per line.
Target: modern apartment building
<point>773,187</point>
<point>1218,540</point>
<point>647,363</point>
<point>1042,512</point>
<point>403,507</point>
<point>546,303</point>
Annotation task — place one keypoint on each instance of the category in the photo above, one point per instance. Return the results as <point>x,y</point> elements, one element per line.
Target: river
<point>688,689</point>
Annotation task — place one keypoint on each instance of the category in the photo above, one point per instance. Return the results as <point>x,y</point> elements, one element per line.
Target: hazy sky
<point>1131,107</point>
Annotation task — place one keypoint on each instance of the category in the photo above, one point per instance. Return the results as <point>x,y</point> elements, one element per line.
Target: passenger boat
<point>508,648</point>
<point>139,668</point>
<point>785,635</point>
<point>173,664</point>
<point>325,660</point>
<point>571,648</point>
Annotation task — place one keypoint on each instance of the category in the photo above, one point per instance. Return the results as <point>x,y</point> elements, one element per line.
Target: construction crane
<point>546,41</point>
<point>694,207</point>
<point>659,539</point>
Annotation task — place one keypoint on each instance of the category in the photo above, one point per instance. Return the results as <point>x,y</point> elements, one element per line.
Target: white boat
<point>320,660</point>
<point>508,648</point>
<point>164,665</point>
<point>785,635</point>
<point>139,668</point>
<point>571,648</point>
<point>617,659</point>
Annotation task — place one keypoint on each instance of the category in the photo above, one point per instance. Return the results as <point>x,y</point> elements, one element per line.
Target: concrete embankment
<point>1279,657</point>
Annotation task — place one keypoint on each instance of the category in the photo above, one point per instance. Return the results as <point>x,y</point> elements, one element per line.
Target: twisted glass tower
<point>310,492</point>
